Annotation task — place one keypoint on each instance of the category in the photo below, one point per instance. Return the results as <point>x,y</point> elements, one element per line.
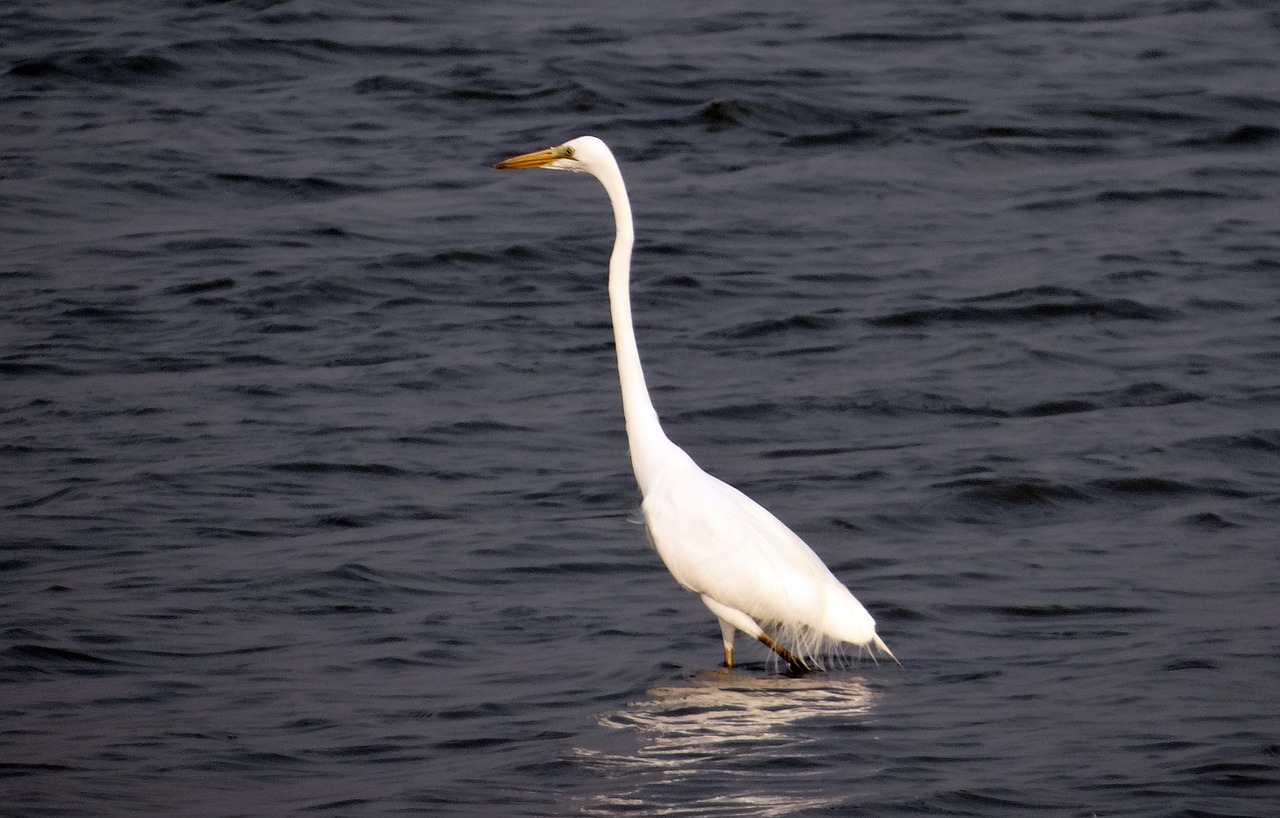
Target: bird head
<point>582,155</point>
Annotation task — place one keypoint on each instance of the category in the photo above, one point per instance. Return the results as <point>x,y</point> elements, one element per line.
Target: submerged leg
<point>731,618</point>
<point>726,635</point>
<point>795,665</point>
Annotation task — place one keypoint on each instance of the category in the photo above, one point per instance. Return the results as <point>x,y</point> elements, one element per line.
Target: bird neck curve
<point>645,438</point>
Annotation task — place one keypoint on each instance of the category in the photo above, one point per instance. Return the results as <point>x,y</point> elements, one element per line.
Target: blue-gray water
<point>315,488</point>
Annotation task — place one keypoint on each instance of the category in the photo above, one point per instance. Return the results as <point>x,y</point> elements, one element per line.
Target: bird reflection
<point>722,744</point>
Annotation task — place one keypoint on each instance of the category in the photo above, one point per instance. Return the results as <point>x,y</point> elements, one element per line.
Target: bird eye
<point>568,152</point>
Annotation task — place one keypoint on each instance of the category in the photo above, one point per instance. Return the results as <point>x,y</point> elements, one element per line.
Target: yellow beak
<point>537,159</point>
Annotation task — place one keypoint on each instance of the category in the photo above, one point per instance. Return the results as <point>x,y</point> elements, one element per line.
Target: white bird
<point>752,571</point>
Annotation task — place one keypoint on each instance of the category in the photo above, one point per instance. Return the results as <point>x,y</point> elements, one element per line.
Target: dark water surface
<point>315,489</point>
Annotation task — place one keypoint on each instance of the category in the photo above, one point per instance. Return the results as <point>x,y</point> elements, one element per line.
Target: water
<point>316,498</point>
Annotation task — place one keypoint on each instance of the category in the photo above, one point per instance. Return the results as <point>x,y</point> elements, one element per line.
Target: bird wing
<point>717,541</point>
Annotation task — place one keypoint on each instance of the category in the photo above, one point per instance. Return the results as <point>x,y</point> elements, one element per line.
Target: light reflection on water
<point>724,744</point>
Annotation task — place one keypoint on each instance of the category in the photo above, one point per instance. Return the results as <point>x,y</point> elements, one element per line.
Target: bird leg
<point>795,665</point>
<point>726,635</point>
<point>733,620</point>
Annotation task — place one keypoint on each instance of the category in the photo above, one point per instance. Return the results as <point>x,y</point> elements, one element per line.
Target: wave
<point>1033,304</point>
<point>102,66</point>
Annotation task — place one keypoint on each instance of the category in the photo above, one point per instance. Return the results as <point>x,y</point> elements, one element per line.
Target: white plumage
<point>751,571</point>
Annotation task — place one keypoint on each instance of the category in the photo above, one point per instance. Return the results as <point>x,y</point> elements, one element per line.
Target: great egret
<point>752,571</point>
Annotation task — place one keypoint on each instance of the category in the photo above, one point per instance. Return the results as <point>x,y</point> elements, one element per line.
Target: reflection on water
<point>724,744</point>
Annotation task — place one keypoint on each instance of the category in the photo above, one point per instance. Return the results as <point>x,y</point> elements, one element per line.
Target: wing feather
<point>717,541</point>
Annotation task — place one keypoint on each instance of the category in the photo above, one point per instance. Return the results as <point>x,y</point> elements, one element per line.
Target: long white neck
<point>645,437</point>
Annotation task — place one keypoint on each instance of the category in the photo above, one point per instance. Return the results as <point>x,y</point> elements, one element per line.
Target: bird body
<point>751,571</point>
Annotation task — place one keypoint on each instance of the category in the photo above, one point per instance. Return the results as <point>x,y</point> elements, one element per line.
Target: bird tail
<point>879,644</point>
